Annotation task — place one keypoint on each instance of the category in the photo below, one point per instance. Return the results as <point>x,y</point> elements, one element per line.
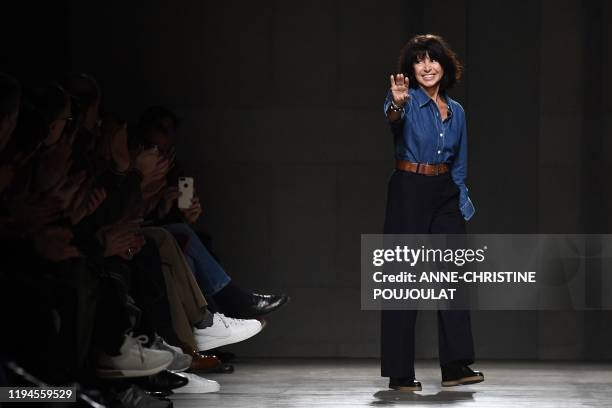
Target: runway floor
<point>356,383</point>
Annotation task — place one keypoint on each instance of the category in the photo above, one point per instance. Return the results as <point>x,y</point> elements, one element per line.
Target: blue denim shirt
<point>422,137</point>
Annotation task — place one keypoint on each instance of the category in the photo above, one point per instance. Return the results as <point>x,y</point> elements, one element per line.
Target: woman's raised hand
<point>399,89</point>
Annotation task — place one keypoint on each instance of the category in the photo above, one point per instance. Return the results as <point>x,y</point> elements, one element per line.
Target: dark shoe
<point>458,374</point>
<point>262,304</point>
<point>134,397</point>
<point>225,368</point>
<point>162,382</point>
<point>202,362</point>
<point>159,394</point>
<point>404,384</point>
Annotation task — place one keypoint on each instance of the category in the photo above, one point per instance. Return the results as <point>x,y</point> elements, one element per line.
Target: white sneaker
<point>225,330</point>
<point>197,385</point>
<point>134,360</point>
<point>180,360</point>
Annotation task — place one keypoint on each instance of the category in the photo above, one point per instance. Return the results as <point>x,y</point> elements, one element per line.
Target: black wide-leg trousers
<point>419,204</point>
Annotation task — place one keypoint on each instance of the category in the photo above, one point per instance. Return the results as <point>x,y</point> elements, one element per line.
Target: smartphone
<point>185,186</point>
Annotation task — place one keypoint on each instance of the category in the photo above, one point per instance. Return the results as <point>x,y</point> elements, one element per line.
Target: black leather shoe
<point>458,374</point>
<point>134,397</point>
<point>159,394</point>
<point>225,368</point>
<point>262,304</point>
<point>404,384</point>
<point>162,381</point>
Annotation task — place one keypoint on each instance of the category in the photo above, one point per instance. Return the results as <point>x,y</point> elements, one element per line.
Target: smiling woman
<point>429,127</point>
<point>427,195</point>
<point>433,49</point>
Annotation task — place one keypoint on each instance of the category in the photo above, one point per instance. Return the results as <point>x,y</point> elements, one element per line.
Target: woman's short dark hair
<point>437,49</point>
<point>10,94</point>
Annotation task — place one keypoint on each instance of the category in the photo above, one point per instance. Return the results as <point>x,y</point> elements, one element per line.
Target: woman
<point>427,194</point>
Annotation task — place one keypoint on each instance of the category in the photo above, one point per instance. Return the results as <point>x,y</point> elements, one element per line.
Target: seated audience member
<point>194,324</point>
<point>157,127</point>
<point>112,148</point>
<point>191,321</point>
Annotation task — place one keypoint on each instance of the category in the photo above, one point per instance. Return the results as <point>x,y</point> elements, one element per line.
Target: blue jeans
<point>208,273</point>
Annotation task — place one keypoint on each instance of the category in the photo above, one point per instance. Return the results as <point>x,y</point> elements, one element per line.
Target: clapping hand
<point>87,202</point>
<point>122,239</point>
<point>119,145</point>
<point>67,188</point>
<point>146,163</point>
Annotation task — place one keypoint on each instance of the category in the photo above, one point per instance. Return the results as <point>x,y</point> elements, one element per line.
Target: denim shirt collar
<point>423,99</point>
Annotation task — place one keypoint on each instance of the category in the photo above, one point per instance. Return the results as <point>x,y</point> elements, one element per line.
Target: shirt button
<point>439,151</point>
<point>441,134</point>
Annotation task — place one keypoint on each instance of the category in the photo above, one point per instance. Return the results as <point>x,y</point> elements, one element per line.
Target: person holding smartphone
<point>427,194</point>
<point>178,211</point>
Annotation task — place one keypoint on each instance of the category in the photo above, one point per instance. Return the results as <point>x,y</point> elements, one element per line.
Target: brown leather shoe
<point>201,362</point>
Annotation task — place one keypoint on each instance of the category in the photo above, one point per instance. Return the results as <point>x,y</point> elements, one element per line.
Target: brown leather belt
<point>421,168</point>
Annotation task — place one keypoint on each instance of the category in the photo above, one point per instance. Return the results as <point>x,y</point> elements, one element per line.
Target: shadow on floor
<point>389,397</point>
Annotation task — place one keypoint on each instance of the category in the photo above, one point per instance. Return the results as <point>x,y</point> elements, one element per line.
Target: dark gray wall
<point>283,130</point>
